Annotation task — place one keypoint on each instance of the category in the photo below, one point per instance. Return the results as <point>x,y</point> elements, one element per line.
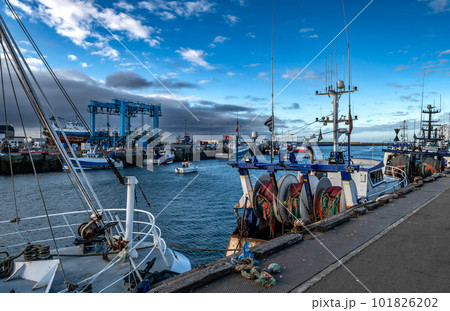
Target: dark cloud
<point>127,80</point>
<point>406,87</point>
<point>133,81</point>
<point>213,117</point>
<point>255,99</point>
<point>411,98</point>
<point>400,113</point>
<point>293,106</point>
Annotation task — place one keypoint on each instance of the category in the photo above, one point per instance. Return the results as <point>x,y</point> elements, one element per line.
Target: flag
<point>237,125</point>
<point>415,137</point>
<point>320,136</point>
<point>350,121</point>
<point>269,123</point>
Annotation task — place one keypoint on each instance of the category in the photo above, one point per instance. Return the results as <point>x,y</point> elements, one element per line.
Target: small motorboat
<point>185,168</point>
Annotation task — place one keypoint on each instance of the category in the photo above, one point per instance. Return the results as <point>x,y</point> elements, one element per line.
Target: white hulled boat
<point>94,249</point>
<point>186,168</point>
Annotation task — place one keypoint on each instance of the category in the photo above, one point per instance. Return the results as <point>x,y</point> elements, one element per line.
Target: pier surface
<point>401,246</point>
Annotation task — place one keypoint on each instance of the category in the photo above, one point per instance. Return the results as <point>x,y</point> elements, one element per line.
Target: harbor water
<point>192,210</point>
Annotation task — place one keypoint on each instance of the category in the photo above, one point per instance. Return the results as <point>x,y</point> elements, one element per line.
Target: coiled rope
<point>30,253</point>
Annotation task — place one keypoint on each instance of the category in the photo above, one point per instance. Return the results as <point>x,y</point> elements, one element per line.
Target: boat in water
<point>426,155</point>
<point>186,168</point>
<point>292,194</point>
<point>75,132</point>
<point>160,157</point>
<point>94,161</point>
<point>243,149</point>
<point>79,246</point>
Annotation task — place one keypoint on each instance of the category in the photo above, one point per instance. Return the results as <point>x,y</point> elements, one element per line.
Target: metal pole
<point>335,121</point>
<point>273,119</point>
<point>131,186</point>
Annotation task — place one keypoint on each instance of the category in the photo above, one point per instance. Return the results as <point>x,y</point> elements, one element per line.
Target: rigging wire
<point>141,63</point>
<point>315,57</point>
<point>8,144</point>
<point>33,99</point>
<point>50,70</point>
<point>32,162</point>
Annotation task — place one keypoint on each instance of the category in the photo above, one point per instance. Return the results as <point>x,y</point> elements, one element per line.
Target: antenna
<point>326,74</point>
<point>349,81</point>
<point>273,119</point>
<point>421,105</point>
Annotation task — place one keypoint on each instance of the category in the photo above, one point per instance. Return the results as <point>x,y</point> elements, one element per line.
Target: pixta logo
<point>140,147</point>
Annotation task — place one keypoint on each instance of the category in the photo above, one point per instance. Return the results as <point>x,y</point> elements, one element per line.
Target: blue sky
<point>215,57</point>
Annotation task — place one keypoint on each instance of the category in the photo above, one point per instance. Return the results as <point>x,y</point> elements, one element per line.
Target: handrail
<point>402,180</point>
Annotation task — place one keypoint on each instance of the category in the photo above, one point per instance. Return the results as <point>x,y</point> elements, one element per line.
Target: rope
<point>6,265</point>
<point>30,253</point>
<point>246,266</point>
<point>143,195</point>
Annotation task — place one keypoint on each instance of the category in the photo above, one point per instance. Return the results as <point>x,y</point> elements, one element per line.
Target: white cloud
<point>402,67</point>
<point>168,10</point>
<point>78,22</point>
<point>204,81</point>
<point>84,65</point>
<point>231,74</point>
<point>72,57</point>
<point>262,75</point>
<point>251,35</point>
<point>313,36</point>
<point>306,75</point>
<point>444,52</point>
<point>220,39</point>
<point>303,30</point>
<point>195,57</point>
<point>240,2</point>
<point>253,65</point>
<point>109,52</point>
<point>37,62</point>
<point>230,19</point>
<point>438,6</point>
<point>122,4</point>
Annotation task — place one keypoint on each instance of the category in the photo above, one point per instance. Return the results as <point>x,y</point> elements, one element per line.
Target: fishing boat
<point>80,246</point>
<point>94,161</point>
<point>293,194</point>
<point>186,168</point>
<point>426,155</point>
<point>75,132</point>
<point>243,149</point>
<point>160,157</point>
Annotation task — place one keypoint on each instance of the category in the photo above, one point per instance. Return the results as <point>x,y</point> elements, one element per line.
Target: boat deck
<point>77,267</point>
<point>398,247</point>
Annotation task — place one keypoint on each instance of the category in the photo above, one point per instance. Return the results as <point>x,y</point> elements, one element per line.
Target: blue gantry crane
<point>126,110</point>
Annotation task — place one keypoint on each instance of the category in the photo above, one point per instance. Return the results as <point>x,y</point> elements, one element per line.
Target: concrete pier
<point>21,162</point>
<point>400,246</point>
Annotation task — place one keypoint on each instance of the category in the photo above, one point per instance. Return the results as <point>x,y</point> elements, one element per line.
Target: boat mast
<point>336,93</point>
<point>273,119</point>
<point>30,92</point>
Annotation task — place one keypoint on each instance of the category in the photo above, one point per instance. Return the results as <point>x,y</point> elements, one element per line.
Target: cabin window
<point>376,176</point>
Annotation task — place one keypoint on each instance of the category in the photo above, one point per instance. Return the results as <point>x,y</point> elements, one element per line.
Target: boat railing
<point>401,180</point>
<point>35,229</point>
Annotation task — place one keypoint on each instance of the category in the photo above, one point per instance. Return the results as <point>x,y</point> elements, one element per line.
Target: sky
<point>208,61</point>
